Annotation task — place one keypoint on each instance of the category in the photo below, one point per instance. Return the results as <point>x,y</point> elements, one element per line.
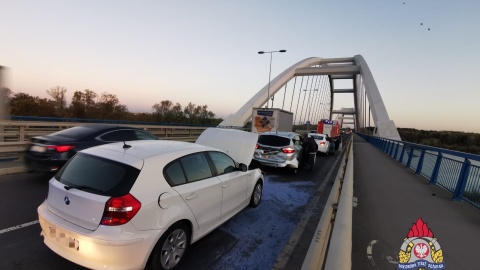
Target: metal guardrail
<point>455,171</point>
<point>333,237</point>
<point>15,135</point>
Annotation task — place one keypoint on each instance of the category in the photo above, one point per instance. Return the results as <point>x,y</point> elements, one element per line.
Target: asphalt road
<point>253,239</point>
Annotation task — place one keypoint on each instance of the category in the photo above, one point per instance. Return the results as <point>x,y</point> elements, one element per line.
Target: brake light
<point>120,210</point>
<point>256,146</point>
<point>288,150</point>
<point>60,148</point>
<point>322,143</point>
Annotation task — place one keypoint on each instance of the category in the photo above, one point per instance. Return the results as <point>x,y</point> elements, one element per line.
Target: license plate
<point>37,148</point>
<point>61,237</point>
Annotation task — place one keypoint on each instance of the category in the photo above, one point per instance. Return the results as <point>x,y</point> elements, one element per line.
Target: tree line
<point>87,104</point>
<point>454,140</point>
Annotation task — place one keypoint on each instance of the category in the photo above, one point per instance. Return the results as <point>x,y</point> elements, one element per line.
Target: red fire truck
<point>329,127</point>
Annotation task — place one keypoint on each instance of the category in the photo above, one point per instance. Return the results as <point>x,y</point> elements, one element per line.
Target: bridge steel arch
<point>354,68</point>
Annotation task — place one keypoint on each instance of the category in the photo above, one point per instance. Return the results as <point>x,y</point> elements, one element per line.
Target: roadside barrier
<point>331,247</point>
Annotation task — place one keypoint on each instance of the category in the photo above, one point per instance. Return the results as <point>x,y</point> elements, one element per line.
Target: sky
<point>205,52</point>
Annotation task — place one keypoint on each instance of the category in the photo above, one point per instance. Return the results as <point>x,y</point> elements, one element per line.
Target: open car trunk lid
<point>240,145</point>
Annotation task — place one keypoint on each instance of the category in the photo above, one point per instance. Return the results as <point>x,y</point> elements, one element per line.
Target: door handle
<point>226,185</point>
<point>192,196</point>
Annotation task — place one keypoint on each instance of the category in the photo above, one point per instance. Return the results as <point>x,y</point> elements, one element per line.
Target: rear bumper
<point>108,247</point>
<point>47,163</point>
<point>323,149</point>
<point>43,165</point>
<point>288,163</point>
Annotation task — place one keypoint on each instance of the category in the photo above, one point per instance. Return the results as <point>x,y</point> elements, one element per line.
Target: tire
<point>256,195</point>
<point>170,248</point>
<point>293,171</point>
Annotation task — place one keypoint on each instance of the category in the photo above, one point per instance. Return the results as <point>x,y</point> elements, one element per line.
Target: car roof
<point>144,149</point>
<point>106,126</point>
<point>281,133</point>
<point>321,134</point>
<point>147,148</point>
<point>84,131</point>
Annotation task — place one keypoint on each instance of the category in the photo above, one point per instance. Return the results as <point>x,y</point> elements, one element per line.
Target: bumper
<point>43,165</point>
<point>288,163</point>
<point>323,149</point>
<point>107,247</point>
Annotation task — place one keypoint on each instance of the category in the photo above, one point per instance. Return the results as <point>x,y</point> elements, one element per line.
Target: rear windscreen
<point>273,140</point>
<point>316,137</point>
<point>74,132</point>
<point>98,175</point>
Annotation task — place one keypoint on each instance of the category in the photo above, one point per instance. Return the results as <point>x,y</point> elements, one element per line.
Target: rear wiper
<point>82,188</point>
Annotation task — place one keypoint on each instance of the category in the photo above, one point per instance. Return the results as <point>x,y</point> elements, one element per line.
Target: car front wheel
<point>171,248</point>
<point>256,194</point>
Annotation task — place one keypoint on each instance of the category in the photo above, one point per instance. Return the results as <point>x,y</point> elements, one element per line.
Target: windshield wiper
<point>82,188</point>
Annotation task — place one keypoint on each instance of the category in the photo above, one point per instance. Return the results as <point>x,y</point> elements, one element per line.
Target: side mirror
<point>242,167</point>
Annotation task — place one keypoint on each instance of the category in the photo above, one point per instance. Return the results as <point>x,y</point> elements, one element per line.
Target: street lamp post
<point>270,70</point>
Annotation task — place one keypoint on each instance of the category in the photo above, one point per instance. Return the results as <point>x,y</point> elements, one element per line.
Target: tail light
<point>322,143</point>
<point>288,150</point>
<point>256,146</point>
<point>120,210</point>
<point>60,148</point>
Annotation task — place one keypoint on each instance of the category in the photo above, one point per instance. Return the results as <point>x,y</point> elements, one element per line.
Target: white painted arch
<point>350,67</point>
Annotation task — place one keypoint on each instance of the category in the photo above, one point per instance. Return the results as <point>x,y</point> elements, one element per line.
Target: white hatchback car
<point>321,140</point>
<point>140,204</point>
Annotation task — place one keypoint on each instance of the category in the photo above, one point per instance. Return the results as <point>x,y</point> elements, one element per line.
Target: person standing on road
<point>338,141</point>
<point>310,151</point>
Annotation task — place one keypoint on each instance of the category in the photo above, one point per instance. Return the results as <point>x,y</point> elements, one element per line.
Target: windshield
<point>98,175</point>
<point>273,140</point>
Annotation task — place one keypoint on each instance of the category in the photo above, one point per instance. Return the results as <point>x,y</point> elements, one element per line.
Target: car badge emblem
<point>66,200</point>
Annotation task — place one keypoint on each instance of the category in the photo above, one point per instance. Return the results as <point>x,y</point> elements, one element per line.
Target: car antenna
<point>126,145</point>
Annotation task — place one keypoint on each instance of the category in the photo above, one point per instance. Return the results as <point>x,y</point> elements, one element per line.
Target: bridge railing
<point>455,171</point>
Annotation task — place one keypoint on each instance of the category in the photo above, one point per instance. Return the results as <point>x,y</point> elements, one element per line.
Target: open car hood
<point>240,145</point>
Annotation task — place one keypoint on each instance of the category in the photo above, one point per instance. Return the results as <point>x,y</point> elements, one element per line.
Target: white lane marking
<point>369,252</point>
<point>19,226</point>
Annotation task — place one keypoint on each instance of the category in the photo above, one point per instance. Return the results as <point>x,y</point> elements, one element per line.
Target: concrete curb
<point>12,166</point>
<point>12,170</point>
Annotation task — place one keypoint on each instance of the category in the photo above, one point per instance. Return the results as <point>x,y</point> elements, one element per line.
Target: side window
<point>174,174</point>
<point>223,163</point>
<point>196,167</point>
<point>297,140</point>
<point>118,136</point>
<point>140,135</point>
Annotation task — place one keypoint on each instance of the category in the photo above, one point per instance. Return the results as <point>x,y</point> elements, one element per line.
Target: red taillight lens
<point>288,150</point>
<point>322,143</point>
<point>60,148</point>
<point>256,146</point>
<point>120,210</point>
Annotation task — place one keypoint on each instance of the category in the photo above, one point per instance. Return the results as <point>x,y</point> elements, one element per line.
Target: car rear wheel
<point>256,194</point>
<point>293,170</point>
<point>171,248</point>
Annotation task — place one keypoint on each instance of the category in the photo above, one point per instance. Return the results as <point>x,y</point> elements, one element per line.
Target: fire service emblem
<point>421,249</point>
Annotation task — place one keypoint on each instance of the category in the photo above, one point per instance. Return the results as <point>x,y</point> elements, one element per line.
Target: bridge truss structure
<point>309,92</point>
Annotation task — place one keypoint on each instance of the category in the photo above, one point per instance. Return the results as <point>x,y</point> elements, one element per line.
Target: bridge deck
<point>391,198</point>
